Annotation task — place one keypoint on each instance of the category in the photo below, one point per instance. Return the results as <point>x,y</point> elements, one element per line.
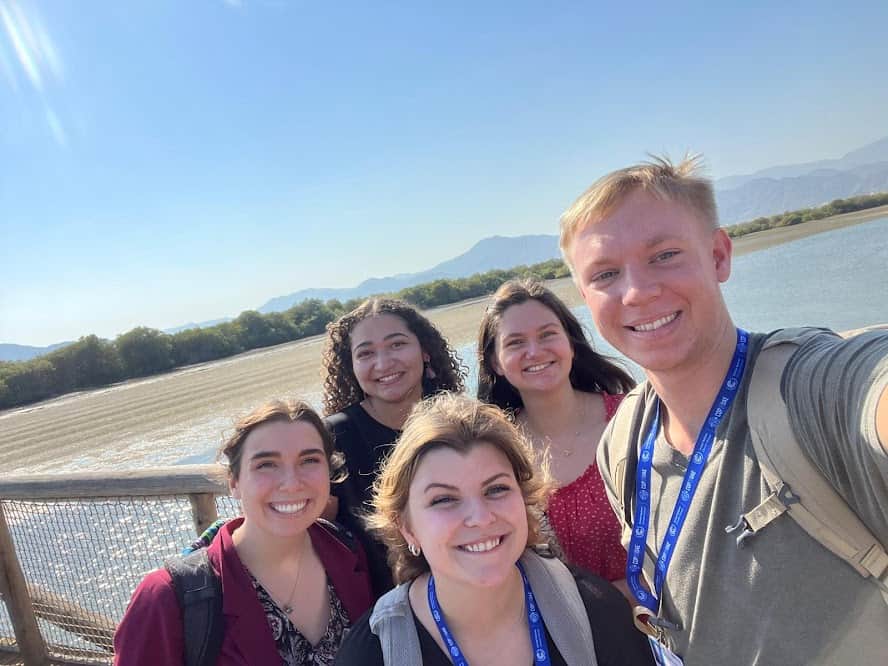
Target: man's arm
<point>882,405</point>
<point>835,391</point>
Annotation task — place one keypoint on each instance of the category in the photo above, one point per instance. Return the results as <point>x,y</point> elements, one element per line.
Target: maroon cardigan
<point>150,632</point>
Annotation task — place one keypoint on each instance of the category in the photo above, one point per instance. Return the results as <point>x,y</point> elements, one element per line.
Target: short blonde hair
<point>659,177</point>
<point>460,423</point>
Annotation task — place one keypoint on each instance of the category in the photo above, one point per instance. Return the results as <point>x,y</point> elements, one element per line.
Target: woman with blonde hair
<point>458,505</point>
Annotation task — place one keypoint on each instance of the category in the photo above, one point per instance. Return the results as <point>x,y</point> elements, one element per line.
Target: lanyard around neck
<point>700,455</point>
<point>534,623</point>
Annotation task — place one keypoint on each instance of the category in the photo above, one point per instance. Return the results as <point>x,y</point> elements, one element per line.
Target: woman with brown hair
<point>290,585</point>
<point>458,505</point>
<point>535,361</point>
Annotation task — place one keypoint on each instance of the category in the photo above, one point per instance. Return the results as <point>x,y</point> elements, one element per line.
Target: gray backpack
<point>797,486</point>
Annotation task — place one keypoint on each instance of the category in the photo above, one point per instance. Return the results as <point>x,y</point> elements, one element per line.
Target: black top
<point>617,641</point>
<point>365,442</point>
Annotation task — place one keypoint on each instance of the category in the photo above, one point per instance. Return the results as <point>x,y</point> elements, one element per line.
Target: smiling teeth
<point>484,546</point>
<point>654,325</point>
<point>537,368</point>
<point>388,378</point>
<point>289,508</point>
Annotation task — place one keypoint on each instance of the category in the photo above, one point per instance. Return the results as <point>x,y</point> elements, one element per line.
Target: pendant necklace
<point>288,607</point>
<point>567,452</point>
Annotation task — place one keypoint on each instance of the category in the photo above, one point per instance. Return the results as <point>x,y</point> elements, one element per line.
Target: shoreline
<point>160,419</point>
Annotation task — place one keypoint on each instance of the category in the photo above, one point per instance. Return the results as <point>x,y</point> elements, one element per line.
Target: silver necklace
<point>568,451</point>
<point>288,607</point>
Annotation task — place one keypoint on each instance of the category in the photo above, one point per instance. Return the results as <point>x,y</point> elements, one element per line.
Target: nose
<point>383,359</point>
<point>639,286</point>
<point>478,513</point>
<point>290,478</point>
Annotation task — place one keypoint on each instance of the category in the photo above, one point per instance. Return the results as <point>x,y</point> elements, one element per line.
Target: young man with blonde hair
<point>679,462</point>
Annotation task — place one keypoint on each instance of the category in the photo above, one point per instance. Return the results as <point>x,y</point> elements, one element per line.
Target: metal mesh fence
<point>82,559</point>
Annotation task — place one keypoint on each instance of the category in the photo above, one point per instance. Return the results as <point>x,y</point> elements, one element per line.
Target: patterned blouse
<point>294,648</point>
<point>585,526</point>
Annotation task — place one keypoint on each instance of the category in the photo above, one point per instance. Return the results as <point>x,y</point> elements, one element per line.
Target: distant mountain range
<point>740,198</point>
<point>789,187</point>
<point>10,352</point>
<point>485,255</point>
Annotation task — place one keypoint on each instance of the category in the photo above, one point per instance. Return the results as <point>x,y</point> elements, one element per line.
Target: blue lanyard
<point>534,621</point>
<point>702,448</point>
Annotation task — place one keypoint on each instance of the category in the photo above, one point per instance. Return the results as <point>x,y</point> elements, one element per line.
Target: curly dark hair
<point>590,371</point>
<point>341,388</point>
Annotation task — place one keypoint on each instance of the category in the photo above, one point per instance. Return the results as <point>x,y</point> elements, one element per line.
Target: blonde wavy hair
<point>683,183</point>
<point>460,423</point>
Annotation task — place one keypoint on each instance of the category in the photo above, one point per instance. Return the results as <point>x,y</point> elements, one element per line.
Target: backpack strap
<point>562,607</point>
<point>199,593</point>
<point>340,532</point>
<point>798,487</point>
<point>622,463</point>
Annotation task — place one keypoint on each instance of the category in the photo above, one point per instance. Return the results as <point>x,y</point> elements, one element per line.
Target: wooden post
<point>203,510</point>
<point>18,603</point>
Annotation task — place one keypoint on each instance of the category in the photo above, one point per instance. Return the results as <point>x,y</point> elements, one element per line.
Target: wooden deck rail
<point>24,602</point>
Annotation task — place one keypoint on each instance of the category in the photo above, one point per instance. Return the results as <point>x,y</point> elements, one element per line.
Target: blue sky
<point>167,162</point>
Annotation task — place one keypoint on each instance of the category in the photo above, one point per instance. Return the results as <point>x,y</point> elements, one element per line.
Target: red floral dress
<point>583,521</point>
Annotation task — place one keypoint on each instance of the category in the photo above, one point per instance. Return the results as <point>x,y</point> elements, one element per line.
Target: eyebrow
<point>662,238</point>
<point>447,486</point>
<point>518,334</point>
<point>396,334</point>
<point>277,454</point>
<point>650,243</point>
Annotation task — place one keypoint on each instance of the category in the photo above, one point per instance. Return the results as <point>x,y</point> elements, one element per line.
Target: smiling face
<point>532,350</point>
<point>467,513</point>
<point>284,479</point>
<point>387,359</point>
<point>650,274</point>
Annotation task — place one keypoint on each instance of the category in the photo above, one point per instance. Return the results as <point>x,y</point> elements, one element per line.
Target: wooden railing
<point>26,602</point>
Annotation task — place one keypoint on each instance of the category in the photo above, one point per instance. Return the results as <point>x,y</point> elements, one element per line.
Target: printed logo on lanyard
<point>699,457</point>
<point>534,623</point>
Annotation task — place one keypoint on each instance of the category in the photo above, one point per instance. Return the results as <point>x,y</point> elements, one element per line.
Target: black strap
<point>199,593</point>
<point>340,532</point>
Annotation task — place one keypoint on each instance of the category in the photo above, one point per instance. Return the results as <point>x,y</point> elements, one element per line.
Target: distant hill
<point>9,352</point>
<point>792,186</point>
<point>202,324</point>
<point>485,255</point>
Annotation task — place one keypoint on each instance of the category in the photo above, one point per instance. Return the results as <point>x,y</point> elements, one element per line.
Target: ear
<point>722,251</point>
<point>495,365</point>
<point>406,532</point>
<point>233,487</point>
<point>426,357</point>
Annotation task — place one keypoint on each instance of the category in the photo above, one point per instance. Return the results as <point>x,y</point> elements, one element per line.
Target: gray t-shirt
<point>782,599</point>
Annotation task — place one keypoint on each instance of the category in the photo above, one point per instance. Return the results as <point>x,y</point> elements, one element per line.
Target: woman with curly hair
<point>380,359</point>
<point>458,504</point>
<point>535,361</point>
